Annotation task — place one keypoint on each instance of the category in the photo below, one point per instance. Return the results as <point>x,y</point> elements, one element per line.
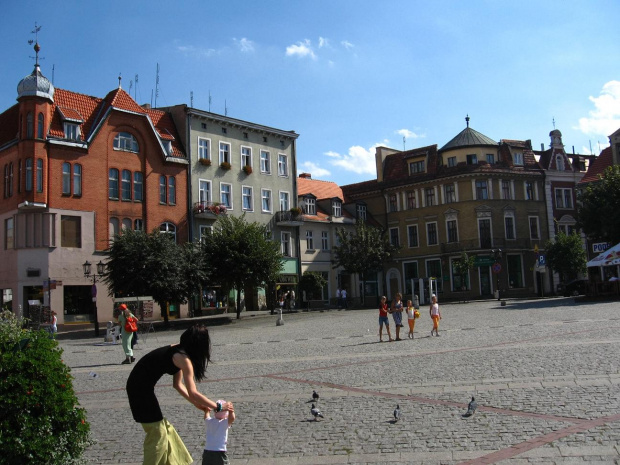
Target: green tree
<point>598,213</point>
<point>141,264</point>
<point>40,418</point>
<point>462,267</point>
<point>239,255</point>
<point>363,251</point>
<point>566,255</point>
<point>312,283</point>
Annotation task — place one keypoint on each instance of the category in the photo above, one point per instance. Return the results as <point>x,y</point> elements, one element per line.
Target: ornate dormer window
<point>72,120</point>
<point>126,142</point>
<point>337,208</point>
<point>72,131</point>
<point>517,158</point>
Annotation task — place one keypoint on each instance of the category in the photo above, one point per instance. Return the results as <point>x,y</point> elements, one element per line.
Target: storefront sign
<point>599,247</point>
<point>483,260</point>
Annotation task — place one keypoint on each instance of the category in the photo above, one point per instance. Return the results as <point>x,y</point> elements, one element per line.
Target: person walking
<point>383,319</point>
<point>435,315</point>
<point>343,296</point>
<point>126,336</point>
<point>411,316</point>
<point>187,363</point>
<point>217,437</point>
<point>397,313</point>
<point>338,298</point>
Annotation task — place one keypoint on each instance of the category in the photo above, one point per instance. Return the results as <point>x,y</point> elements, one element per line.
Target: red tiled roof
<point>320,189</point>
<point>84,105</point>
<point>120,99</point>
<point>70,113</point>
<point>597,166</point>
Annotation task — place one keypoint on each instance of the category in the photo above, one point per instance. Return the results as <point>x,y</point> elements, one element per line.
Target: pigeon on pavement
<point>315,396</point>
<point>397,413</point>
<point>315,412</point>
<point>471,407</point>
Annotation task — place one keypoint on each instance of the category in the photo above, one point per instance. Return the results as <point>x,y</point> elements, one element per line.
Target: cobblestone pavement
<point>544,372</point>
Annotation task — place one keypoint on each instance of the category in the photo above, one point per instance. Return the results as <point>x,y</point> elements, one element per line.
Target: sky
<point>346,75</point>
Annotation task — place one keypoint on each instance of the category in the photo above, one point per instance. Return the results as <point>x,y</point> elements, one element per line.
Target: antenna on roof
<point>590,147</point>
<point>191,99</point>
<point>53,69</point>
<point>467,120</point>
<point>119,80</point>
<point>130,86</point>
<point>225,108</point>
<point>209,101</point>
<point>553,121</point>
<point>404,141</point>
<point>37,47</point>
<point>156,85</point>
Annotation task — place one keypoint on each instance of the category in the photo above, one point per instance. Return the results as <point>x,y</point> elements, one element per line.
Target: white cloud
<point>197,52</point>
<point>323,42</point>
<point>245,45</point>
<point>359,160</point>
<point>605,118</point>
<point>301,49</point>
<point>315,170</point>
<point>409,134</point>
<point>346,44</point>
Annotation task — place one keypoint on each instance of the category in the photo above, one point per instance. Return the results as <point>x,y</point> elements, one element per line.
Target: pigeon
<point>397,413</point>
<point>471,407</point>
<point>315,412</point>
<point>315,396</point>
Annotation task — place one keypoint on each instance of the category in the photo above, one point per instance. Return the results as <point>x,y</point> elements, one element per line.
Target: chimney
<point>305,175</point>
<point>146,106</point>
<point>542,147</point>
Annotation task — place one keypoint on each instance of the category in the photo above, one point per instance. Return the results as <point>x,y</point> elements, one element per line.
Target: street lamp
<point>100,269</point>
<point>497,267</point>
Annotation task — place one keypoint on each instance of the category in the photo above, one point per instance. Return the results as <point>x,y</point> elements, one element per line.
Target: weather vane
<point>37,47</point>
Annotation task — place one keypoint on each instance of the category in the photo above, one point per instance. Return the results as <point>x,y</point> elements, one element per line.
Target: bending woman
<point>187,363</point>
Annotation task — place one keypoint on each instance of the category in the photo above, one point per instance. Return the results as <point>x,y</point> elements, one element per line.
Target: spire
<point>37,47</point>
<point>119,80</point>
<point>467,120</point>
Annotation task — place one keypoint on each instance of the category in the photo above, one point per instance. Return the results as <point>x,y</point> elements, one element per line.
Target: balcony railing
<point>287,218</point>
<point>490,243</point>
<point>208,209</point>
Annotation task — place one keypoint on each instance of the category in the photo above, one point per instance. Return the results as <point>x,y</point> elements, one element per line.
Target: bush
<point>39,418</point>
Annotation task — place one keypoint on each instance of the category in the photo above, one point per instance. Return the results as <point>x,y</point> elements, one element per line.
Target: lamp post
<point>87,274</point>
<point>498,258</point>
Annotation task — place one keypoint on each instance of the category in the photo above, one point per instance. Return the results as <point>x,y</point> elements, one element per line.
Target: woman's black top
<point>142,380</point>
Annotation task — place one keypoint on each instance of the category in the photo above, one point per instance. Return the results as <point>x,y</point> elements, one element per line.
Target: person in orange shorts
<point>410,318</point>
<point>435,315</point>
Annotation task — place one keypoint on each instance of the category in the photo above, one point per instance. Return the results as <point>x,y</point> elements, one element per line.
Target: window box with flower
<point>225,165</point>
<point>247,169</point>
<point>204,161</point>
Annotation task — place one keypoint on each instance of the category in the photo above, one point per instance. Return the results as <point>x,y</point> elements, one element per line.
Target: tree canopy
<point>239,255</point>
<point>462,267</point>
<point>598,214</point>
<point>566,255</point>
<point>312,283</point>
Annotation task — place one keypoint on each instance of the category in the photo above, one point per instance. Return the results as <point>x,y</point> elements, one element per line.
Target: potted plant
<point>295,211</point>
<point>225,165</point>
<point>247,169</point>
<point>205,161</point>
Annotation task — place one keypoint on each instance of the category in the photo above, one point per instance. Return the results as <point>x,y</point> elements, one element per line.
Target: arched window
<point>126,142</point>
<point>113,184</point>
<point>169,228</point>
<point>126,185</point>
<point>66,178</point>
<point>126,224</point>
<point>28,174</point>
<point>77,179</point>
<point>29,126</point>
<point>162,189</point>
<point>40,126</point>
<point>172,192</point>
<point>137,186</point>
<point>39,175</point>
<point>138,225</point>
<point>113,228</point>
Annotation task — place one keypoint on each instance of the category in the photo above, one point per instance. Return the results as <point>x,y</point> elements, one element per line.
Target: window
<point>113,184</point>
<point>226,195</point>
<point>224,152</point>
<point>515,271</point>
<point>564,198</point>
<point>29,126</point>
<point>393,203</point>
<point>113,229</point>
<point>506,195</point>
<point>286,244</point>
<point>169,228</point>
<point>72,131</point>
<point>559,163</point>
<point>224,130</point>
<point>337,209</point>
<point>282,165</point>
<point>77,179</point>
<point>204,146</point>
<point>162,189</point>
<point>410,272</point>
<point>70,231</point>
<point>431,233</point>
<point>172,190</point>
<point>412,235</point>
<point>19,176</point>
<point>394,239</point>
<point>246,156</point>
<point>11,179</point>
<point>484,232</point>
<point>429,193</point>
<point>138,225</point>
<point>246,198</point>
<point>472,159</point>
<point>126,224</point>
<point>453,235</point>
<point>6,181</point>
<point>126,142</point>
<point>309,240</point>
<point>433,270</point>
<point>284,204</point>
<point>451,161</point>
<point>509,224</point>
<point>482,191</point>
<point>490,158</point>
<point>324,240</point>
<point>361,211</point>
<point>517,158</point>
<point>9,241</point>
<point>529,190</point>
<point>416,167</point>
<point>458,283</point>
<point>126,185</point>
<point>449,193</point>
<point>204,192</point>
<point>205,231</point>
<point>266,200</point>
<point>309,205</point>
<point>567,229</point>
<point>39,175</point>
<point>66,178</point>
<point>411,204</point>
<point>40,126</point>
<point>265,162</point>
<point>534,232</point>
<point>28,174</point>
<point>138,187</point>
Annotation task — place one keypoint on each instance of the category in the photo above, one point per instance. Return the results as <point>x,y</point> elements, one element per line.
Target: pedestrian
<point>339,298</point>
<point>435,315</point>
<point>411,316</point>
<point>343,296</point>
<point>126,336</point>
<point>216,428</point>
<point>187,363</point>
<point>292,296</point>
<point>53,323</point>
<point>383,319</point>
<point>397,313</point>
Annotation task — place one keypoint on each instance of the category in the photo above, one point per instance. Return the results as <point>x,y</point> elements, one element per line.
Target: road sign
<point>497,267</point>
<point>542,260</point>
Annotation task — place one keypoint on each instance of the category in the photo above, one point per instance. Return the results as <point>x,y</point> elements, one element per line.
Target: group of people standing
<point>397,308</point>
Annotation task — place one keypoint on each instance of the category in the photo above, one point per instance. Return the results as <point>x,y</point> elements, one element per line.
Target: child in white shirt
<point>217,436</point>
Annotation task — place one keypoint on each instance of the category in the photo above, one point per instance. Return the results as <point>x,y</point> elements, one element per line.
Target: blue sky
<point>346,75</point>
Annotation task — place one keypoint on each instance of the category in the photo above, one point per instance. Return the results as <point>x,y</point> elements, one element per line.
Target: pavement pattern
<point>545,374</point>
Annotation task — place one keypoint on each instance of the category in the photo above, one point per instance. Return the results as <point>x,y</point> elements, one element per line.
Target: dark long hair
<point>196,344</point>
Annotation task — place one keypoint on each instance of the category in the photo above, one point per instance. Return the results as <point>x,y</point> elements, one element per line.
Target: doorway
<point>485,281</point>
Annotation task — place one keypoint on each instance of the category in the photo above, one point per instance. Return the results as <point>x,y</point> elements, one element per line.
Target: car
<point>576,287</point>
